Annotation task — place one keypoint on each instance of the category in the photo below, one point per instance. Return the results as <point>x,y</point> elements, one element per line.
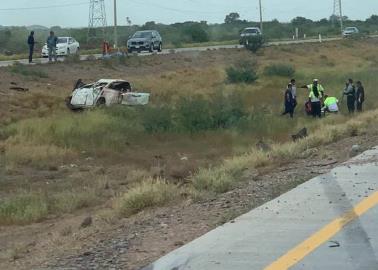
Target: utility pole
<point>341,17</point>
<point>338,13</point>
<point>97,19</point>
<point>261,19</point>
<point>115,25</point>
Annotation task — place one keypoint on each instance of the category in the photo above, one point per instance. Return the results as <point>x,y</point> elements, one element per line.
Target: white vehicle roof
<point>252,28</point>
<point>107,81</point>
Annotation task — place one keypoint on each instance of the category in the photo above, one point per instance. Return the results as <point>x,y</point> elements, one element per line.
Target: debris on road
<point>334,244</point>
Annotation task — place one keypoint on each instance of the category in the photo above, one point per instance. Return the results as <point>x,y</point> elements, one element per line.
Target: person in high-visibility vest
<point>315,97</point>
<point>330,104</point>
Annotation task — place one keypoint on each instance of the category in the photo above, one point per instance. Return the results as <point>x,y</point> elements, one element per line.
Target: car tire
<point>151,48</point>
<point>68,52</point>
<point>101,102</point>
<point>160,47</point>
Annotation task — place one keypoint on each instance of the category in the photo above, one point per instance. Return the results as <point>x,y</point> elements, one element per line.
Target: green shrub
<point>157,119</point>
<point>194,114</point>
<point>242,73</point>
<point>283,70</point>
<point>227,110</point>
<point>195,33</point>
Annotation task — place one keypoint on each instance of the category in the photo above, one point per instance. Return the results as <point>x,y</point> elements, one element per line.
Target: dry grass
<point>28,207</point>
<point>226,176</point>
<point>149,193</point>
<point>38,156</point>
<point>114,136</point>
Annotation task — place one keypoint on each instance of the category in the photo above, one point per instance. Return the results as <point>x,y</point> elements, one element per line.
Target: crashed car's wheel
<point>160,47</point>
<point>151,47</point>
<point>100,102</point>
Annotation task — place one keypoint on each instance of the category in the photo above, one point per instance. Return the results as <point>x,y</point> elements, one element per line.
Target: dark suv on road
<point>148,40</point>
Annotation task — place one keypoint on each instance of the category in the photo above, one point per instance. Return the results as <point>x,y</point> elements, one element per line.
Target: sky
<point>74,13</point>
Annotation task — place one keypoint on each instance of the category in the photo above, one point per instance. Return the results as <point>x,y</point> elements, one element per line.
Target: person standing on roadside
<point>31,43</point>
<point>294,92</point>
<point>289,101</point>
<point>52,40</point>
<point>350,92</point>
<point>360,96</point>
<point>315,97</point>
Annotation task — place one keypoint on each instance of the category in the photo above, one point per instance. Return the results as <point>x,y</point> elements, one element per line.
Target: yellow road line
<point>310,244</point>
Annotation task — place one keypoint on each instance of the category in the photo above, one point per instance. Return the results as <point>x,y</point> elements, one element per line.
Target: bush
<point>157,119</point>
<point>284,70</point>
<point>196,33</point>
<point>228,110</point>
<point>194,114</point>
<point>253,43</point>
<point>146,194</point>
<point>241,73</point>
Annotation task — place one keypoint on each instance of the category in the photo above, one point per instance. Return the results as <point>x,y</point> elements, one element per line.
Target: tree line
<point>13,39</point>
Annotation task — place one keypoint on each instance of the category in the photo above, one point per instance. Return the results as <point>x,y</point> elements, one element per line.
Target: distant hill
<point>37,27</point>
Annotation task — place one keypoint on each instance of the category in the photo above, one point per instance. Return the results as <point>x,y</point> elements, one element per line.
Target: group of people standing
<point>51,42</point>
<point>355,95</point>
<point>318,101</point>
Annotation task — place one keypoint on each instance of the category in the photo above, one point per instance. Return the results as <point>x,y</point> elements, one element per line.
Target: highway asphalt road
<point>180,50</point>
<point>327,223</point>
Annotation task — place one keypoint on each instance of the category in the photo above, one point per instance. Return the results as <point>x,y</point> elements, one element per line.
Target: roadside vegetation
<point>187,34</point>
<point>195,140</point>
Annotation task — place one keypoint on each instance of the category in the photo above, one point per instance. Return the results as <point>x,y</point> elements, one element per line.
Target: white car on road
<point>105,92</point>
<point>65,46</point>
<point>350,31</point>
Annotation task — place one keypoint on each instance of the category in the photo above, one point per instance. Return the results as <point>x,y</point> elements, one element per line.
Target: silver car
<point>148,40</point>
<point>350,31</point>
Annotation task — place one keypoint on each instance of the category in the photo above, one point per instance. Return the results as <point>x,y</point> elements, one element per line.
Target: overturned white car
<point>105,92</point>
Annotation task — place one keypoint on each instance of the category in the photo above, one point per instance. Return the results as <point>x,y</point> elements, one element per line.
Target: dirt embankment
<point>109,242</point>
<point>132,243</point>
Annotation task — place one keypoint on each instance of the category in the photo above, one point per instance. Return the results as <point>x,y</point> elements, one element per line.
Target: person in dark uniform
<point>360,96</point>
<point>289,101</point>
<point>350,92</point>
<point>31,43</point>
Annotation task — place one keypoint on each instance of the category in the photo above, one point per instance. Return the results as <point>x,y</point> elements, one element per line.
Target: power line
<point>45,7</point>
